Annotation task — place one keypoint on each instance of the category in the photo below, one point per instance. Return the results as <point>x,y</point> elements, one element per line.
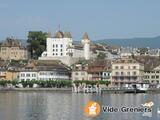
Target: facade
<point>127,71</point>
<point>3,72</point>
<point>152,76</point>
<point>99,70</point>
<point>44,72</point>
<point>106,75</point>
<point>27,75</point>
<point>12,75</point>
<point>79,72</point>
<point>53,73</point>
<point>12,49</point>
<point>60,47</point>
<point>6,74</point>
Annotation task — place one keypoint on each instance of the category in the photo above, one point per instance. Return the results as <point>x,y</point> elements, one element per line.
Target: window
<point>56,45</point>
<point>22,75</point>
<point>152,76</point>
<point>146,77</point>
<point>117,73</point>
<point>157,77</point>
<point>61,45</point>
<point>53,45</point>
<point>61,54</point>
<point>122,73</point>
<point>76,73</point>
<point>128,73</point>
<point>53,50</point>
<point>134,73</point>
<point>33,75</point>
<point>157,71</point>
<point>128,67</point>
<point>56,50</point>
<point>27,75</point>
<point>51,73</point>
<point>53,53</point>
<point>121,67</point>
<point>116,67</point>
<point>134,67</point>
<point>61,50</point>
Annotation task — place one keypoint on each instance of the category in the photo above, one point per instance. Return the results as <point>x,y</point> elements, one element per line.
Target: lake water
<point>70,106</point>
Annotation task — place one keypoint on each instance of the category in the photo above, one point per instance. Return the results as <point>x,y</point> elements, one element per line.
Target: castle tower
<point>86,47</point>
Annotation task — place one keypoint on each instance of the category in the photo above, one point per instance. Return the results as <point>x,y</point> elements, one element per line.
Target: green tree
<point>24,83</point>
<point>36,43</point>
<point>101,55</point>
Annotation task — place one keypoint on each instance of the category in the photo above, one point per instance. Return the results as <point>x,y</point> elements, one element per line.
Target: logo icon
<point>148,104</point>
<point>92,109</point>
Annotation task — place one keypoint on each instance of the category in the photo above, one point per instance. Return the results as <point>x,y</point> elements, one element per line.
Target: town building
<point>79,72</point>
<point>99,70</point>
<point>28,72</point>
<point>152,76</point>
<point>60,47</point>
<point>44,71</point>
<point>53,72</point>
<point>127,71</point>
<point>12,49</point>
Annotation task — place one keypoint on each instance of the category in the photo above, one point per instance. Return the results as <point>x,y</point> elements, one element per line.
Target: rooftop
<point>125,60</point>
<point>10,42</point>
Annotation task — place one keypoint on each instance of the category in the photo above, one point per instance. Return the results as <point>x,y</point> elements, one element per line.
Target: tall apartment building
<point>127,71</point>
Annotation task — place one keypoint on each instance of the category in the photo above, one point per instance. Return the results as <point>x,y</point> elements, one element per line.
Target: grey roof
<point>10,42</point>
<point>57,68</point>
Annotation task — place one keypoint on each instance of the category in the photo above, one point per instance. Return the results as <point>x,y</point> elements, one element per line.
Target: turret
<point>86,47</point>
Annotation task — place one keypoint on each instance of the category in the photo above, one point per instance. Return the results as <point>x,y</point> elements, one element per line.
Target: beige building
<point>153,76</point>
<point>12,49</point>
<point>79,72</point>
<point>126,71</point>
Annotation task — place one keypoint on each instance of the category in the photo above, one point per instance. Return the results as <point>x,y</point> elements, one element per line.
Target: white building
<point>53,73</point>
<point>44,72</point>
<point>28,75</point>
<point>60,47</point>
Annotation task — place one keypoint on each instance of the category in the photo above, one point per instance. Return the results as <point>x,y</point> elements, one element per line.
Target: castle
<point>61,47</point>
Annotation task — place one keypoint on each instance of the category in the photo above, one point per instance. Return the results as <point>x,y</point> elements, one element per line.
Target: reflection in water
<point>70,106</point>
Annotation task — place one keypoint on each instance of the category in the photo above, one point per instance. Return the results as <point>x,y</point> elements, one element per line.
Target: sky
<point>100,18</point>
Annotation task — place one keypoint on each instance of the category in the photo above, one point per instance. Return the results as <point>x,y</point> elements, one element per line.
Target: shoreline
<point>69,90</point>
<point>37,89</point>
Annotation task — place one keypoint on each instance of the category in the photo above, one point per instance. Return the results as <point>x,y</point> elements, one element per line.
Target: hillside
<point>135,42</point>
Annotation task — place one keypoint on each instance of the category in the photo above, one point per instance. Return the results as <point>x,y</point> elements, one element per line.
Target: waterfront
<point>49,105</point>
